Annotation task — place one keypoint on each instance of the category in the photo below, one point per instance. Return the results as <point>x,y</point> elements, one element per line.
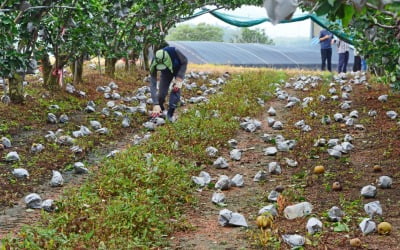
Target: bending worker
<point>172,64</point>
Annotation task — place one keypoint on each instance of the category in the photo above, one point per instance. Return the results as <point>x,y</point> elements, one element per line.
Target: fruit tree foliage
<point>111,28</point>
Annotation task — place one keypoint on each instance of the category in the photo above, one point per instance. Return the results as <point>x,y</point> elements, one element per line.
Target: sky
<point>296,29</point>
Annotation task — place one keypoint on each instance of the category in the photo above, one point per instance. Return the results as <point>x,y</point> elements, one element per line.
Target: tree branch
<point>41,7</point>
<point>3,5</point>
<point>370,5</point>
<point>49,7</point>
<point>384,26</point>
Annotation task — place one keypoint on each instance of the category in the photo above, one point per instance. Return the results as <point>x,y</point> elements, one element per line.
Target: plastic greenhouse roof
<point>255,55</point>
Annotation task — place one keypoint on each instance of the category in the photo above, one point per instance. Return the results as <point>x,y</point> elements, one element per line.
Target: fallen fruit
<point>319,169</point>
<point>199,92</point>
<point>384,228</point>
<point>356,242</point>
<point>264,221</point>
<point>377,168</point>
<point>336,186</point>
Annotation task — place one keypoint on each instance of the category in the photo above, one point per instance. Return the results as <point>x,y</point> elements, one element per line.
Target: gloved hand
<point>177,86</point>
<point>156,111</point>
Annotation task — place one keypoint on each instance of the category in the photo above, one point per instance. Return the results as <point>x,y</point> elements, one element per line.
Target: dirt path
<point>374,145</point>
<point>247,200</point>
<point>379,143</point>
<point>13,218</point>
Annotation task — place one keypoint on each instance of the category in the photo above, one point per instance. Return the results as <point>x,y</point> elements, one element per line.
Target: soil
<point>26,124</point>
<point>377,144</point>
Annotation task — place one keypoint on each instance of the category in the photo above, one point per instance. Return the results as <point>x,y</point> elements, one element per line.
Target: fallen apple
<point>319,169</point>
<point>384,228</point>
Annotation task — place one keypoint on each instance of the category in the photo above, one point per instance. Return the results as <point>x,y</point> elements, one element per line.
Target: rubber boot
<point>163,112</point>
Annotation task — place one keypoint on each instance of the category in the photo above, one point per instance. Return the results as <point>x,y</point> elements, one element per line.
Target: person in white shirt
<point>343,51</point>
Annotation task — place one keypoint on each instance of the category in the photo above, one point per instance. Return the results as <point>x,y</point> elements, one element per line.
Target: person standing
<point>357,61</point>
<point>172,64</point>
<point>325,38</point>
<point>343,51</point>
<point>364,66</point>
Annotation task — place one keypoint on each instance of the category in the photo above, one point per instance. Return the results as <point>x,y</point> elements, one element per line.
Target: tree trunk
<point>126,64</point>
<point>16,89</point>
<point>110,66</point>
<point>72,68</point>
<point>146,57</point>
<point>133,57</point>
<point>52,81</point>
<point>77,70</point>
<point>46,67</point>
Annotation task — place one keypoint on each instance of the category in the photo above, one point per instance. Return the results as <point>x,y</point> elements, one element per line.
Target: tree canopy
<point>69,29</point>
<point>252,36</point>
<point>200,32</point>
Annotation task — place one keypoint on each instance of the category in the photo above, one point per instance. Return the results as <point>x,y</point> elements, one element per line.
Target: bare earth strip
<point>247,200</point>
<point>378,144</point>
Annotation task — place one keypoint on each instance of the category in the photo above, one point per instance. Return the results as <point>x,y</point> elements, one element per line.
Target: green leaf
<point>338,10</point>
<point>323,9</point>
<point>341,227</point>
<point>89,235</point>
<point>348,14</point>
<point>331,2</point>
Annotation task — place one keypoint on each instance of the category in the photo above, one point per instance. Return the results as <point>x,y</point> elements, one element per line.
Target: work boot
<point>163,114</point>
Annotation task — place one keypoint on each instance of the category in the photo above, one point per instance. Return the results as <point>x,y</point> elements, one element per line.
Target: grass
<point>134,203</point>
<point>6,125</point>
<point>67,104</point>
<point>265,238</point>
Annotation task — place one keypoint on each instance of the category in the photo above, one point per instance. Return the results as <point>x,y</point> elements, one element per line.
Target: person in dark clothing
<point>172,64</point>
<point>357,61</point>
<point>325,38</point>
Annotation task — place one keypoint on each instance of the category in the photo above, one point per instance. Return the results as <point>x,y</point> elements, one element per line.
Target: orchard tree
<point>114,25</point>
<point>165,14</point>
<point>377,36</point>
<point>89,41</point>
<point>19,25</point>
<point>160,17</point>
<point>71,29</point>
<point>11,59</point>
<point>67,34</point>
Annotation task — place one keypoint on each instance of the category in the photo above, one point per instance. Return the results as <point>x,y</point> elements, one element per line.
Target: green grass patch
<point>66,103</point>
<point>134,202</point>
